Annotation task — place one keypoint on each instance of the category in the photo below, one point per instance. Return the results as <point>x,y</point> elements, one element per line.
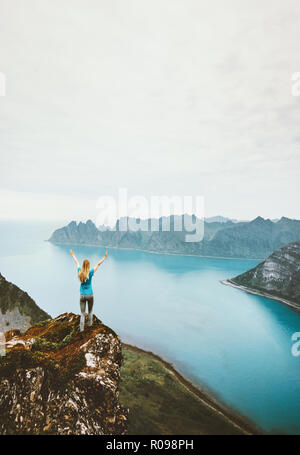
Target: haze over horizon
<point>162,98</point>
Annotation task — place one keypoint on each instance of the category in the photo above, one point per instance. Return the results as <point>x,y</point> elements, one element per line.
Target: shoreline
<point>154,252</point>
<point>286,302</point>
<point>229,415</point>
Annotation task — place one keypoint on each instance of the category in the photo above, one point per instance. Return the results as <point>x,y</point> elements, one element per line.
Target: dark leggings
<point>86,299</point>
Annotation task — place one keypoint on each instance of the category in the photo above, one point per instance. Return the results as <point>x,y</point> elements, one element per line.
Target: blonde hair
<point>84,272</point>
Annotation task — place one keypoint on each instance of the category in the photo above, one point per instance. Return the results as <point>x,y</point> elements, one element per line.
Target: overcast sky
<point>163,97</point>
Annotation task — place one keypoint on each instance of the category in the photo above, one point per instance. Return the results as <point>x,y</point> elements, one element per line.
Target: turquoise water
<point>235,345</point>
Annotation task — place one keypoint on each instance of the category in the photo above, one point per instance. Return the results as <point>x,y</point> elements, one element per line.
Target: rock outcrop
<point>17,309</point>
<point>56,380</point>
<point>253,239</point>
<point>278,275</point>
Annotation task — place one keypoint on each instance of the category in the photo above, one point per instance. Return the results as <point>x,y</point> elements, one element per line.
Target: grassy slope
<point>160,404</point>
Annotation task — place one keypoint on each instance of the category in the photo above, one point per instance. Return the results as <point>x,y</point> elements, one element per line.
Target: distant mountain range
<point>246,239</point>
<point>220,219</point>
<point>277,277</point>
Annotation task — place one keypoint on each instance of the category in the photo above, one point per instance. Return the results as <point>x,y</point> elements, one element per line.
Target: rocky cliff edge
<point>56,380</point>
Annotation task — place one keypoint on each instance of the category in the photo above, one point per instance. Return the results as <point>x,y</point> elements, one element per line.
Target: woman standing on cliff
<point>85,276</point>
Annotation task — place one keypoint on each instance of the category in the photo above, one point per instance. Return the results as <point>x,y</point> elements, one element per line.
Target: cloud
<point>42,207</point>
<point>162,98</point>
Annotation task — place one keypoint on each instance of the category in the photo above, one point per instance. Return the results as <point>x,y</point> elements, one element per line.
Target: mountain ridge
<point>17,308</point>
<point>254,239</point>
<point>277,277</point>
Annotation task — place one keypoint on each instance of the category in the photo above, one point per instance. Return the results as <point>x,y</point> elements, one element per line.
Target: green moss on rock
<point>54,345</point>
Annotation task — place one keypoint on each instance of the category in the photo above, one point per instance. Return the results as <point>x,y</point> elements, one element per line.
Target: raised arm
<point>75,258</point>
<point>100,262</point>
